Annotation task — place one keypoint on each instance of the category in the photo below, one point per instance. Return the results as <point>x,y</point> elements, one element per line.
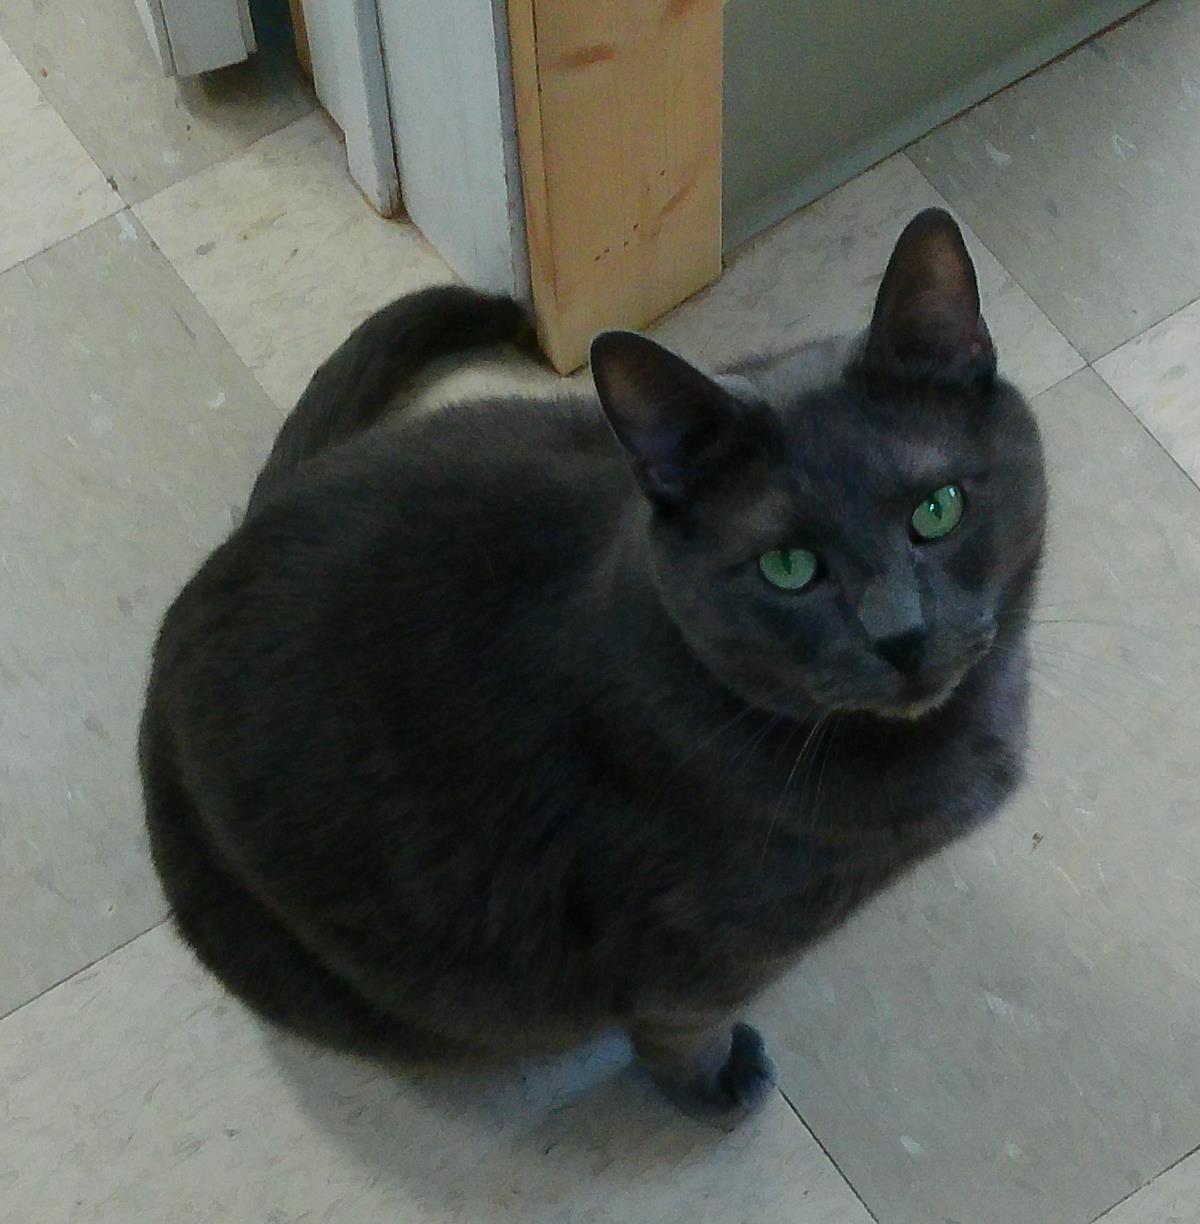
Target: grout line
<point>130,211</point>
<point>1020,285</point>
<point>1090,368</point>
<point>137,209</point>
<point>240,152</point>
<point>907,153</point>
<point>37,79</point>
<point>281,409</point>
<point>1084,363</point>
<point>1064,54</point>
<point>111,177</point>
<point>1148,328</point>
<point>828,1155</point>
<point>157,250</point>
<point>1087,365</point>
<point>1146,428</point>
<point>62,981</point>
<point>53,246</point>
<point>1058,382</point>
<point>1139,1189</point>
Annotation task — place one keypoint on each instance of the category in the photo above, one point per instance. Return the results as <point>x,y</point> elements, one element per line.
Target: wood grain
<point>300,34</point>
<point>619,121</point>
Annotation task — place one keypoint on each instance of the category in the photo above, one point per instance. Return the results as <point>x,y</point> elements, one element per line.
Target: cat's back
<point>514,456</point>
<point>415,577</point>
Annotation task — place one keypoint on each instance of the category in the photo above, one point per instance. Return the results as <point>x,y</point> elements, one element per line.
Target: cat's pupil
<point>939,513</point>
<point>790,569</point>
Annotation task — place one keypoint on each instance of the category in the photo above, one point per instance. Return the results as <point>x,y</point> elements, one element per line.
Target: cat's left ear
<point>927,326</point>
<point>676,423</point>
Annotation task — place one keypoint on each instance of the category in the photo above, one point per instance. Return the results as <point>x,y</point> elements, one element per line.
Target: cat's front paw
<point>746,1080</point>
<point>737,1089</point>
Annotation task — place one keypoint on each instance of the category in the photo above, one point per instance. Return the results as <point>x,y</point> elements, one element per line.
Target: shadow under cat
<point>533,1139</point>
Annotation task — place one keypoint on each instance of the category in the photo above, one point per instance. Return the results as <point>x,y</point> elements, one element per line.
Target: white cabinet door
<point>191,36</point>
<point>348,72</point>
<point>449,86</point>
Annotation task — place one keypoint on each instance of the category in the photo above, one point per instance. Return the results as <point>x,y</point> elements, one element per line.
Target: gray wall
<point>817,90</point>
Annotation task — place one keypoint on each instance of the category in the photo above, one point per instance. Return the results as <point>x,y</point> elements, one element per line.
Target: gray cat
<point>492,729</point>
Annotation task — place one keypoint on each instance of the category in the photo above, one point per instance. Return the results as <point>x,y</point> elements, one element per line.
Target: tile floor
<point>1009,1037</point>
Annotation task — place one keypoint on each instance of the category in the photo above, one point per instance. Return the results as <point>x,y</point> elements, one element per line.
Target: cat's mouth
<point>919,696</point>
<point>912,698</point>
<point>928,691</point>
<point>910,711</point>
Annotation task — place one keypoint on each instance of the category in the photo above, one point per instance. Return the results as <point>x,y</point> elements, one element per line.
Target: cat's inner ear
<point>673,420</point>
<point>927,326</point>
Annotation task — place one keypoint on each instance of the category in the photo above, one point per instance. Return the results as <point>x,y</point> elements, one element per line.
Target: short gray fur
<point>480,733</point>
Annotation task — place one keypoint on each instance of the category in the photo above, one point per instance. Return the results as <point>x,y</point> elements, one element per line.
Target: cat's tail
<point>363,378</point>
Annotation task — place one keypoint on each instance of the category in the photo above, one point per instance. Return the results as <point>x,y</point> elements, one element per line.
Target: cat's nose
<point>904,651</point>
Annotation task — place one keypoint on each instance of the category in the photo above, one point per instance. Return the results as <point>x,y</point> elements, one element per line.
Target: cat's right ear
<point>674,421</point>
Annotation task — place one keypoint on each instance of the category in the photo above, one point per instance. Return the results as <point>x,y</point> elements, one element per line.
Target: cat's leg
<point>710,1068</point>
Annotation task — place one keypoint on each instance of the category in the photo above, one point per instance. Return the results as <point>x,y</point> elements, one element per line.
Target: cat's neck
<point>645,701</point>
<point>624,644</point>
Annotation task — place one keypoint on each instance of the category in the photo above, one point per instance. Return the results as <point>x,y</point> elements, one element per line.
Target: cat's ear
<point>927,326</point>
<point>675,422</point>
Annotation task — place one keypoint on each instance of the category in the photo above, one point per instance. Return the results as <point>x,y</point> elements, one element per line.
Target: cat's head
<point>845,536</point>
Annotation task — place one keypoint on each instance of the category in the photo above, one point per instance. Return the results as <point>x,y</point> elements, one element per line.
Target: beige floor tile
<point>1080,178</point>
<point>1173,1198</point>
<point>816,274</point>
<point>285,254</point>
<point>145,130</point>
<point>137,1091</point>
<point>49,186</point>
<point>1010,1035</point>
<point>1158,375</point>
<point>130,431</point>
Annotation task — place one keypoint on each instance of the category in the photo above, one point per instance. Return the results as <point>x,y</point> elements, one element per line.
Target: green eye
<point>939,513</point>
<point>789,569</point>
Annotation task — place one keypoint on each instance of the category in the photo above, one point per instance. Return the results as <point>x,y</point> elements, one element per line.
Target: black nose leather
<point>904,651</point>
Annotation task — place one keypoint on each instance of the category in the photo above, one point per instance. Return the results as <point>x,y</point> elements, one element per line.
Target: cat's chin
<point>902,708</point>
<point>917,706</point>
<point>912,711</point>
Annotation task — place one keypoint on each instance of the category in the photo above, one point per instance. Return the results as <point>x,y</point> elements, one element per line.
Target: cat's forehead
<point>837,439</point>
<point>833,428</point>
<point>833,482</point>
